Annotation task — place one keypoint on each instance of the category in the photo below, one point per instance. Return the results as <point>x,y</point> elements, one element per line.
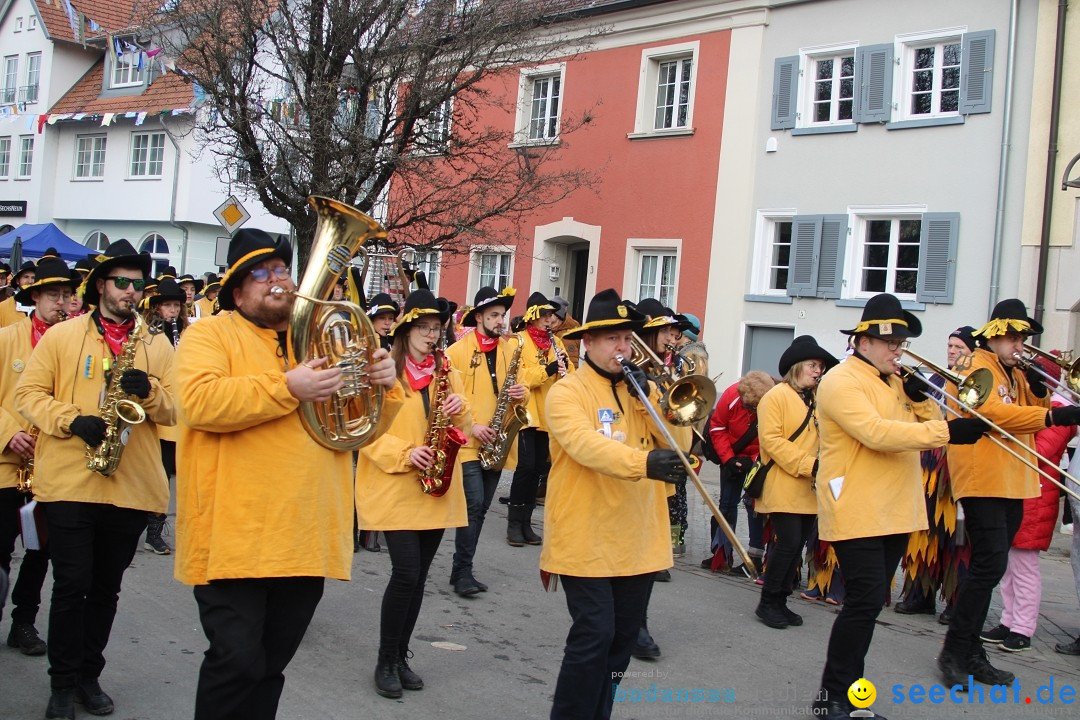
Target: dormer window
<point>128,69</point>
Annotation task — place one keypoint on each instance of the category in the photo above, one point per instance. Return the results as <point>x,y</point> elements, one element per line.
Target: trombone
<point>686,399</point>
<point>1069,387</point>
<point>972,391</point>
<point>748,565</point>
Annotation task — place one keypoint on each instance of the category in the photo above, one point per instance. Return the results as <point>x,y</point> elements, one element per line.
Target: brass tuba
<point>336,330</point>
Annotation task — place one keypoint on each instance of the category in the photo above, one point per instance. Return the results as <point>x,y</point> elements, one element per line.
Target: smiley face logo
<point>862,693</point>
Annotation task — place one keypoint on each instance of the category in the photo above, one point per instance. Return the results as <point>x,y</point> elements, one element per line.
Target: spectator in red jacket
<point>1021,587</point>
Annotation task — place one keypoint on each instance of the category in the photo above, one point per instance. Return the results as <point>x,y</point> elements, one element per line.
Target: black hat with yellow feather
<point>884,317</point>
<point>536,306</point>
<point>1009,316</point>
<point>608,312</point>
<point>248,248</point>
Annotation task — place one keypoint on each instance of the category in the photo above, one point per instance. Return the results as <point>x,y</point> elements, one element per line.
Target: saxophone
<point>24,474</point>
<point>493,454</point>
<point>441,436</point>
<point>118,410</point>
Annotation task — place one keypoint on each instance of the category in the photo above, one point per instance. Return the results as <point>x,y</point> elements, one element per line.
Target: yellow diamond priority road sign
<point>231,214</point>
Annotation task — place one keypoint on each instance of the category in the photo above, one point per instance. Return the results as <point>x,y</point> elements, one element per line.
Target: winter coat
<point>730,421</point>
<point>787,486</point>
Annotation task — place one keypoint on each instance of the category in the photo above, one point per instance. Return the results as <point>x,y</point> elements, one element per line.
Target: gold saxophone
<point>441,436</point>
<point>493,454</point>
<point>118,410</point>
<point>24,475</point>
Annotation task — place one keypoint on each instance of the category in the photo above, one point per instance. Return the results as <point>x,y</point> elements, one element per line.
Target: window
<point>888,257</point>
<point>89,156</point>
<point>831,88</point>
<point>656,276</point>
<point>5,156</point>
<point>31,24</point>
<point>29,92</point>
<point>11,80</point>
<point>97,240</point>
<point>433,132</point>
<point>494,270</point>
<point>158,248</point>
<point>26,156</point>
<point>933,78</point>
<point>772,258</point>
<point>666,90</point>
<point>428,263</point>
<point>147,154</point>
<point>18,24</point>
<point>127,69</point>
<point>539,104</point>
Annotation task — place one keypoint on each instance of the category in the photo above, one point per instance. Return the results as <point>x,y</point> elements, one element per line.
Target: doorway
<point>764,346</point>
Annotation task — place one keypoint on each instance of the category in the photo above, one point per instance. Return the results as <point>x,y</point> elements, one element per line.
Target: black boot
<point>89,694</point>
<point>979,667</point>
<point>514,534</point>
<point>409,679</point>
<point>768,611</point>
<point>531,538</point>
<point>794,619</point>
<point>155,524</point>
<point>387,682</point>
<point>645,648</point>
<point>61,704</point>
<point>916,604</point>
<point>953,669</point>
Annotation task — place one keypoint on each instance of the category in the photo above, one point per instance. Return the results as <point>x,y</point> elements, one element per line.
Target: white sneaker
<point>1066,529</point>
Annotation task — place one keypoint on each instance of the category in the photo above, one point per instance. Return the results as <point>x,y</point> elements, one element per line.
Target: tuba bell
<point>337,330</point>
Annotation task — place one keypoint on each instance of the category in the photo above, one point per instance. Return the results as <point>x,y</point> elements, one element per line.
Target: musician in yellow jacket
<point>11,310</point>
<point>991,486</point>
<point>389,493</point>
<point>543,362</point>
<point>872,426</point>
<point>48,294</point>
<point>482,357</point>
<point>94,521</point>
<point>607,517</point>
<point>264,513</point>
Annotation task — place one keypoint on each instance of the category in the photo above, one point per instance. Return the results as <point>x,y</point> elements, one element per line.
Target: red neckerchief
<point>419,374</point>
<point>116,335</point>
<point>37,329</point>
<point>487,344</point>
<point>540,337</point>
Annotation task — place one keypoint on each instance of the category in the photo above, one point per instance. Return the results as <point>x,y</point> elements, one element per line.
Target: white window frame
<point>858,217</point>
<point>34,82</point>
<point>906,44</point>
<point>648,75</point>
<point>476,258</point>
<point>125,70</point>
<point>161,259</point>
<point>31,23</point>
<point>523,119</point>
<point>638,247</point>
<point>25,168</point>
<point>146,162</point>
<point>9,90</point>
<point>96,240</point>
<point>432,133</point>
<point>91,153</point>
<point>764,239</point>
<point>430,262</point>
<point>5,158</point>
<point>18,24</point>
<point>808,58</point>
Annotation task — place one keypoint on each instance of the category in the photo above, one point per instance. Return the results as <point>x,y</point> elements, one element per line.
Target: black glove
<point>135,382</point>
<point>1065,415</point>
<point>966,431</point>
<point>639,375</point>
<point>552,368</point>
<point>814,471</point>
<point>90,428</point>
<point>665,465</point>
<point>1036,382</point>
<point>738,465</point>
<point>915,388</point>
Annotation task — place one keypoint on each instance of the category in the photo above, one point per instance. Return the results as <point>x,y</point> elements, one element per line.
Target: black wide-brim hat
<point>119,253</point>
<point>884,317</point>
<point>50,252</point>
<point>189,278</point>
<point>51,272</point>
<point>168,272</point>
<point>805,347</point>
<point>485,298</point>
<point>248,248</point>
<point>422,303</point>
<point>85,265</point>
<point>607,312</point>
<point>382,302</point>
<point>213,282</point>
<point>168,289</point>
<point>1009,315</point>
<point>666,318</point>
<point>536,306</point>
<point>652,308</point>
<point>27,266</point>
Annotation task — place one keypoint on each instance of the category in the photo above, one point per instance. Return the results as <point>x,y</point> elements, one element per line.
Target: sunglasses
<point>122,282</point>
<point>261,275</point>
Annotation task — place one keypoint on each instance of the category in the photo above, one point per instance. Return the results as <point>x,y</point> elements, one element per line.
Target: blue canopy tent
<point>36,239</point>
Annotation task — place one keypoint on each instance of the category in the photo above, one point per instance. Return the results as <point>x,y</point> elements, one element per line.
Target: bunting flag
<point>140,118</point>
<point>107,118</point>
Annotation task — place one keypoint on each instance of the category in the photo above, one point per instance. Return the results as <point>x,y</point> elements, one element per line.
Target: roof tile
<point>167,92</point>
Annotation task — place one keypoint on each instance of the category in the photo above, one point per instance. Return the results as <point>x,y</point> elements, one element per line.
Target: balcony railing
<point>28,94</point>
<point>7,96</point>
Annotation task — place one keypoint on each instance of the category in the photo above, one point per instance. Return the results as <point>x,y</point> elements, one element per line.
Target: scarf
<point>37,329</point>
<point>116,334</point>
<point>487,344</point>
<point>540,337</point>
<point>419,374</point>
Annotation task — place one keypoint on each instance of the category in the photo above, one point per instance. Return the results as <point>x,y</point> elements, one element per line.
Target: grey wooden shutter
<point>937,257</point>
<point>976,72</point>
<point>785,92</point>
<point>830,274</point>
<point>803,260</point>
<point>873,78</point>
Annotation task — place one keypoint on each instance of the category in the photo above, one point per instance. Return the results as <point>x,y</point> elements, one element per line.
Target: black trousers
<point>790,531</point>
<point>480,486</point>
<point>606,614</point>
<point>991,525</point>
<point>26,593</point>
<point>534,462</point>
<point>411,553</point>
<point>91,545</point>
<point>254,626</point>
<point>868,565</point>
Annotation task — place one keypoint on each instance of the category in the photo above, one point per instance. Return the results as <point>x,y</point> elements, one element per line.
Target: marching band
<point>112,382</point>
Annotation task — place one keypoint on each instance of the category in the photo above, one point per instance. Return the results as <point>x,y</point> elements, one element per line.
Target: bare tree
<point>373,102</point>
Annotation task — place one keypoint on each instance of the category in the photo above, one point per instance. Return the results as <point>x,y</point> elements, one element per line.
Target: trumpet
<point>1070,388</point>
<point>975,388</point>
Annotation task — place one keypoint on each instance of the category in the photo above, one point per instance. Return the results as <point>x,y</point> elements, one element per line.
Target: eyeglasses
<point>122,282</point>
<point>261,275</point>
<point>895,345</point>
<point>427,329</point>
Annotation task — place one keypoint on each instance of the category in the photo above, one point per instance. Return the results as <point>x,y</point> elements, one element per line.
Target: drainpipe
<point>172,205</point>
<point>1051,166</point>
<point>1003,161</point>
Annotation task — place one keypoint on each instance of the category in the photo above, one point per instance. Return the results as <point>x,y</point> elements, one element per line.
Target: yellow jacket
<point>984,469</point>
<point>206,307</point>
<point>602,516</point>
<point>256,496</point>
<point>787,487</point>
<point>388,493</point>
<point>466,357</point>
<point>533,375</point>
<point>15,352</point>
<point>63,380</point>
<point>871,435</point>
<point>9,314</point>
